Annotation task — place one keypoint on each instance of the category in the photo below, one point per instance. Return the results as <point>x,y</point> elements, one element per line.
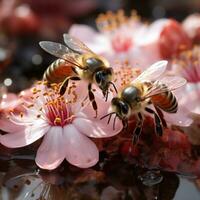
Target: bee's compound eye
<point>124,108</point>
<point>98,77</point>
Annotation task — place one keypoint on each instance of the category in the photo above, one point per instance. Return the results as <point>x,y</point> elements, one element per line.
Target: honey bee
<point>76,61</point>
<point>148,88</point>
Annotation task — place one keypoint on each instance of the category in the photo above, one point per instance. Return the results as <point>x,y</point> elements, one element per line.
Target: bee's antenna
<point>114,122</point>
<point>110,82</point>
<point>125,124</point>
<point>109,114</point>
<point>107,95</point>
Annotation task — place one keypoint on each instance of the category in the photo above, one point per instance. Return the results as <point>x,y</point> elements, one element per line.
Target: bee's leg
<point>158,122</point>
<point>160,114</point>
<point>64,85</point>
<point>92,98</point>
<point>125,124</point>
<point>138,128</point>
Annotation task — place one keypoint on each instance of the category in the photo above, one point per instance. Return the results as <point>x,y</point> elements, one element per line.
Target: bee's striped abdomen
<point>166,101</point>
<point>58,71</point>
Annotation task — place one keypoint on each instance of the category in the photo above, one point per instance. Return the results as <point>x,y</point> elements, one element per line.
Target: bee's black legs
<point>138,128</point>
<point>160,114</point>
<point>92,98</point>
<point>64,85</point>
<point>158,123</point>
<point>125,124</point>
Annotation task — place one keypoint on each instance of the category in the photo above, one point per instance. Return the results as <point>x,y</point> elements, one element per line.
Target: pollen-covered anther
<point>39,115</point>
<point>34,90</point>
<point>187,63</point>
<point>11,111</point>
<point>110,21</point>
<point>21,114</point>
<point>30,106</point>
<point>39,82</point>
<point>75,96</point>
<point>45,83</point>
<point>45,93</point>
<point>57,121</point>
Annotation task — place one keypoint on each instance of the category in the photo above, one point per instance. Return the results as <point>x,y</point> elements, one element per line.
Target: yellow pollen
<point>30,106</point>
<point>45,93</point>
<point>45,82</point>
<point>39,82</point>
<point>21,114</point>
<point>11,111</point>
<point>57,120</point>
<point>54,84</point>
<point>75,96</point>
<point>111,21</point>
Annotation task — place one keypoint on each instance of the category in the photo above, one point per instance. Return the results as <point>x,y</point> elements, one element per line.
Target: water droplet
<point>7,82</point>
<point>36,59</point>
<point>151,178</point>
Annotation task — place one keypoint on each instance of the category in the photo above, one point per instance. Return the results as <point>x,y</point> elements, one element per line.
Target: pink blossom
<point>173,39</point>
<point>120,38</point>
<point>190,97</point>
<point>191,25</point>
<point>65,124</point>
<point>125,74</point>
<point>9,102</point>
<point>128,38</point>
<point>187,64</point>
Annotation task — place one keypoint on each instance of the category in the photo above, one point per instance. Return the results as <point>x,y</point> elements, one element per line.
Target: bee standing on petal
<point>76,61</point>
<point>148,88</point>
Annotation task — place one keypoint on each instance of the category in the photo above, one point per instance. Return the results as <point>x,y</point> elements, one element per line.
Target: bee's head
<point>103,78</point>
<point>121,108</point>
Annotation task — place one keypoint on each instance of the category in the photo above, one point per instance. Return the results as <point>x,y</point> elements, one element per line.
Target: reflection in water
<point>118,180</point>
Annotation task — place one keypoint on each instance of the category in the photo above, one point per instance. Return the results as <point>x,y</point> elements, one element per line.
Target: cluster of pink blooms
<point>66,127</point>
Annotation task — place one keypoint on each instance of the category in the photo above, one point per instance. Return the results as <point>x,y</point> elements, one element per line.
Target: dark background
<point>23,23</point>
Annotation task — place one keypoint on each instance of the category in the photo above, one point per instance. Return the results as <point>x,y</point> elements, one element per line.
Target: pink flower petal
<point>102,105</point>
<point>97,128</point>
<point>80,150</point>
<point>51,152</point>
<point>8,126</point>
<point>86,122</point>
<point>181,118</point>
<point>26,136</point>
<point>97,42</point>
<point>9,101</point>
<point>87,33</point>
<point>193,95</point>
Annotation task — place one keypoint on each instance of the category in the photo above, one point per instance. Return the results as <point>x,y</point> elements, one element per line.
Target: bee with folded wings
<point>143,91</point>
<point>76,61</point>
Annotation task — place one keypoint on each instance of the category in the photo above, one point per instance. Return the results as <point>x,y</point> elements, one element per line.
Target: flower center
<point>121,43</point>
<point>47,104</point>
<point>58,112</point>
<point>117,26</point>
<point>187,64</point>
<point>124,74</point>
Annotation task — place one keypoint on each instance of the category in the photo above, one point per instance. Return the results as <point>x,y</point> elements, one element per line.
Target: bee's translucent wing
<point>60,51</point>
<point>55,49</point>
<point>75,44</point>
<point>153,72</point>
<point>173,82</point>
<point>167,83</point>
